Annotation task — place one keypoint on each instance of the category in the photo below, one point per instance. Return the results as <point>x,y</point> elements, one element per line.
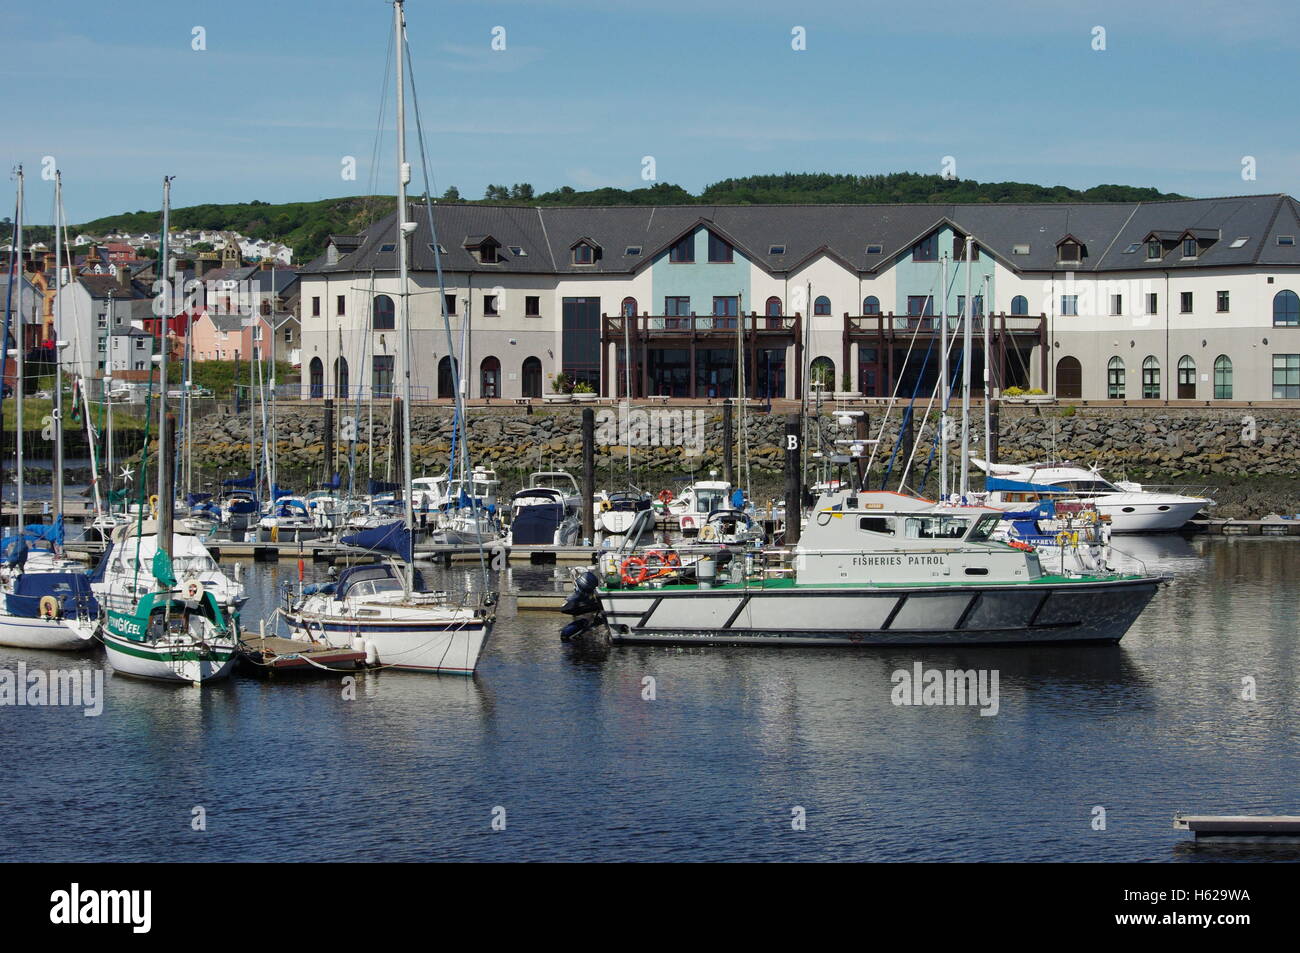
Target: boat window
<point>706,501</point>
<point>1089,486</point>
<point>985,528</point>
<point>877,524</point>
<point>936,527</point>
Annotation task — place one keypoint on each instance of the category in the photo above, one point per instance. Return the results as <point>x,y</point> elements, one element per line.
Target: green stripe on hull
<point>166,653</point>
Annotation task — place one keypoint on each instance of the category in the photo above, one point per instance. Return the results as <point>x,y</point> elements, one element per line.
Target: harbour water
<point>566,748</point>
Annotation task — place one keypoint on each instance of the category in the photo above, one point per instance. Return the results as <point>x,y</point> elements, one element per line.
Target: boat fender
<point>359,644</point>
<point>634,571</point>
<point>372,654</point>
<point>50,608</point>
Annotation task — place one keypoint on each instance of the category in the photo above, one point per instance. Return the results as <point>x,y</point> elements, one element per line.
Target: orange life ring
<point>628,564</point>
<point>665,496</point>
<point>660,563</point>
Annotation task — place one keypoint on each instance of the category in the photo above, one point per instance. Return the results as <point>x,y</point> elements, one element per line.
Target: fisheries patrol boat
<point>876,568</point>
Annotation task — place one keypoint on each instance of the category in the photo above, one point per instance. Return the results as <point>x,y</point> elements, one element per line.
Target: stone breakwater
<point>1191,445</point>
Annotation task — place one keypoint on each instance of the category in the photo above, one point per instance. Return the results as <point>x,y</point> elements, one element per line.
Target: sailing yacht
<point>164,628</point>
<point>385,604</point>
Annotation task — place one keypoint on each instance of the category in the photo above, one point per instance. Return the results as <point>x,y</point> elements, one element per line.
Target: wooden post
<point>863,428</point>
<point>329,438</point>
<point>727,448</point>
<point>588,473</point>
<point>992,448</point>
<point>793,480</point>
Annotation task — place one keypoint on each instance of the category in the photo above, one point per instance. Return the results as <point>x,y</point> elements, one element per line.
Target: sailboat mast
<point>943,378</point>
<point>404,316</point>
<point>20,341</point>
<point>988,390</point>
<point>965,370</point>
<point>57,412</point>
<point>166,497</point>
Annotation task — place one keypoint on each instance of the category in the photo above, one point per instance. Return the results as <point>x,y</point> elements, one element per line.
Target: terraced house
<point>1183,300</point>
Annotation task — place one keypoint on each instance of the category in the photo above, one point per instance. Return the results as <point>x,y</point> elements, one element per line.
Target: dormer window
<point>584,252</point>
<point>1068,251</point>
<point>1190,248</point>
<point>484,248</point>
<point>487,254</point>
<point>1155,251</point>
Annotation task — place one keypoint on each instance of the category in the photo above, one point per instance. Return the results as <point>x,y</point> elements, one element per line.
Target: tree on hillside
<point>451,195</point>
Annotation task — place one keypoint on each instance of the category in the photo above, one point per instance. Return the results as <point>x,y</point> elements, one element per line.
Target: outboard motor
<point>576,628</point>
<point>583,599</point>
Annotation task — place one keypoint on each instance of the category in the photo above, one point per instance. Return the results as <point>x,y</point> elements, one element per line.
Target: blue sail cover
<point>390,538</point>
<point>101,568</point>
<point>379,486</point>
<point>1045,510</point>
<point>333,484</point>
<point>49,532</point>
<point>247,483</point>
<point>278,491</point>
<point>1015,486</point>
<point>71,589</point>
<point>13,550</point>
<point>194,499</point>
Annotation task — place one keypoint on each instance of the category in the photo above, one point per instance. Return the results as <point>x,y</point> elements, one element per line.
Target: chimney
<point>204,263</point>
<point>123,276</point>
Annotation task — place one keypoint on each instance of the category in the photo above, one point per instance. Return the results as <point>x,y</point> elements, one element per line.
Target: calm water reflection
<point>413,767</point>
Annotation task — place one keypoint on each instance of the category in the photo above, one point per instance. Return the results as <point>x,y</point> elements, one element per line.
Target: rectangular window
<point>1154,251</point>
<point>1286,376</point>
<point>1068,251</point>
<point>381,375</point>
<point>1189,248</point>
<point>725,307</point>
<point>583,254</point>
<point>877,524</point>
<point>1150,380</point>
<point>677,306</point>
<point>927,249</point>
<point>1153,302</point>
<point>490,305</point>
<point>874,249</point>
<point>1116,304</point>
<point>487,254</point>
<point>1222,301</point>
<point>684,251</point>
<point>719,250</point>
<point>103,321</point>
<point>288,335</point>
<point>959,249</point>
<point>340,304</point>
<point>1069,304</point>
<point>315,306</point>
<point>449,302</point>
<point>1185,302</point>
<point>532,306</point>
<point>632,250</point>
<point>257,353</point>
<point>920,306</point>
<point>1286,239</point>
<point>776,249</point>
<point>139,344</point>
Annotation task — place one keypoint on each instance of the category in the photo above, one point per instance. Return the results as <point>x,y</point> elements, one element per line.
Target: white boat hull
<point>451,647</point>
<point>1148,515</point>
<point>58,635</point>
<point>179,661</point>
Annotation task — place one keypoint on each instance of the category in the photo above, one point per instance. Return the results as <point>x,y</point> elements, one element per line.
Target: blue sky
<point>1012,90</point>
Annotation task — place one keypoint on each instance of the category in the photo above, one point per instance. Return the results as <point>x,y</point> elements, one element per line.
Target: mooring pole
<point>992,448</point>
<point>329,439</point>
<point>727,449</point>
<point>588,473</point>
<point>793,479</point>
<point>862,428</point>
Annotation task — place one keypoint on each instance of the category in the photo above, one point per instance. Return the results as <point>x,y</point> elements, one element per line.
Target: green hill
<point>305,226</point>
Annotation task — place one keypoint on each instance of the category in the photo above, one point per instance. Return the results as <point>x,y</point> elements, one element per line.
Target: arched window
<point>532,377</point>
<point>822,372</point>
<point>383,316</point>
<point>822,305</point>
<point>1286,310</point>
<point>1186,378</point>
<point>1019,305</point>
<point>1115,374</point>
<point>773,311</point>
<point>1069,378</point>
<point>1150,379</point>
<point>490,377</point>
<point>870,305</point>
<point>629,308</point>
<point>341,378</point>
<point>446,386</point>
<point>1223,377</point>
<point>317,378</point>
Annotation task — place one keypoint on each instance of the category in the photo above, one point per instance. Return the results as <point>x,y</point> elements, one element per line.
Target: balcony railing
<point>884,324</point>
<point>677,324</point>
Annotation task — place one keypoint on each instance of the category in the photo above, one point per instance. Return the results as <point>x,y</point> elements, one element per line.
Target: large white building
<point>1191,300</point>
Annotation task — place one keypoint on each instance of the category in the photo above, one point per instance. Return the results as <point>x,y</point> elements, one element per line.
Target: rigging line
<point>437,263</point>
<point>372,182</point>
<point>934,393</point>
<point>938,435</point>
<point>898,384</point>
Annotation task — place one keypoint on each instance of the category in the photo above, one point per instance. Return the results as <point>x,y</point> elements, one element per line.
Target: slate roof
<point>842,231</point>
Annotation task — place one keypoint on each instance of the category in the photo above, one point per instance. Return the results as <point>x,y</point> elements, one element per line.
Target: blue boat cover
<point>194,499</point>
<point>243,505</point>
<point>71,589</point>
<point>1045,510</point>
<point>379,486</point>
<point>390,538</point>
<point>1016,486</point>
<point>246,483</point>
<point>50,532</point>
